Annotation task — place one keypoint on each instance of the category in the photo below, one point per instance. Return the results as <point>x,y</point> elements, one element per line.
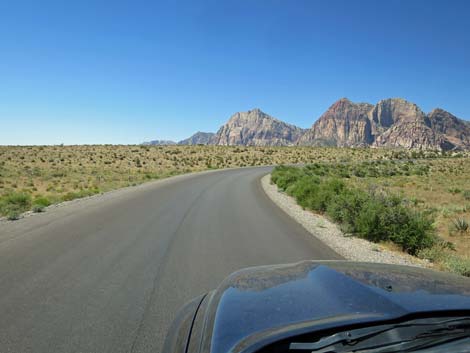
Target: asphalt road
<point>108,274</point>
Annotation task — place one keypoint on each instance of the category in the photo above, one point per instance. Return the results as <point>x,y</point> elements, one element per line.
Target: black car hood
<point>277,301</point>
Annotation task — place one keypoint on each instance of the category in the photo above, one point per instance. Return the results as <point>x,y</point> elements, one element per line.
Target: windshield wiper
<point>406,336</point>
<point>418,345</point>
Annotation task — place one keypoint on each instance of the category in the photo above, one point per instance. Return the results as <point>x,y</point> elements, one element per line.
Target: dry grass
<point>435,186</point>
<point>50,174</point>
<point>444,191</point>
<point>56,173</point>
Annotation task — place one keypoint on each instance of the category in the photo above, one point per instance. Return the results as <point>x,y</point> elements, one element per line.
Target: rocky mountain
<point>343,124</point>
<point>392,122</point>
<point>199,138</point>
<point>399,123</point>
<point>455,130</point>
<point>255,128</point>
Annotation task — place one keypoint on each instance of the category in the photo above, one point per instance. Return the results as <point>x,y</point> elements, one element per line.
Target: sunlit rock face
<point>455,131</point>
<point>392,122</point>
<point>199,138</point>
<point>255,128</point>
<point>343,124</point>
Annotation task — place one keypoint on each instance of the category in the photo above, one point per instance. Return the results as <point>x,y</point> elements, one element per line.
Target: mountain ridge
<point>391,122</point>
<point>256,128</point>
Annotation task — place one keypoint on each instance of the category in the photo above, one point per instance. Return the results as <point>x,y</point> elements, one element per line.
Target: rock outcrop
<point>392,122</point>
<point>455,131</point>
<point>255,128</point>
<point>199,138</point>
<point>343,124</point>
<point>399,123</point>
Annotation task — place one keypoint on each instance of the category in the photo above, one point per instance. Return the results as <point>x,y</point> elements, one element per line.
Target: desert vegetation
<point>33,177</point>
<point>414,202</point>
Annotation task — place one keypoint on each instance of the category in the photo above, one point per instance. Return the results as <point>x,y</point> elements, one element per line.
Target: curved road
<point>108,274</point>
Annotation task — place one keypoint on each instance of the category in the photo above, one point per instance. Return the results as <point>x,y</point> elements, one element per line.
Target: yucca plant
<point>461,225</point>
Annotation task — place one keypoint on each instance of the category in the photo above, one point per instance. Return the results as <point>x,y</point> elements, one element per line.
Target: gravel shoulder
<point>349,247</point>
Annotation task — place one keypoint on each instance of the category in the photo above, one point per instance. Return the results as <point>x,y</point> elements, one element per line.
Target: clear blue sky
<point>94,71</point>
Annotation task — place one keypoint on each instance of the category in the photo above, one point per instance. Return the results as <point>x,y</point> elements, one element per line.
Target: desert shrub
<point>314,193</point>
<point>385,218</point>
<point>435,254</point>
<point>284,176</point>
<point>38,208</point>
<point>40,203</point>
<point>79,194</point>
<point>370,215</point>
<point>416,231</point>
<point>329,189</point>
<point>380,218</point>
<point>15,203</point>
<point>302,188</point>
<point>345,207</point>
<point>457,264</point>
<point>443,255</point>
<point>454,190</point>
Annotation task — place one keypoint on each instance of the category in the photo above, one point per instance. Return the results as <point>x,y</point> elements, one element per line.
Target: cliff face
<point>456,131</point>
<point>255,128</point>
<point>343,124</point>
<point>392,122</point>
<point>413,134</point>
<point>394,111</point>
<point>399,123</point>
<point>199,138</point>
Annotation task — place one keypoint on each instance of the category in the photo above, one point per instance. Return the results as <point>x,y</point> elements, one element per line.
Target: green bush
<point>441,254</point>
<point>15,203</point>
<point>415,233</point>
<point>79,194</point>
<point>284,176</point>
<point>314,193</point>
<point>455,190</point>
<point>345,208</point>
<point>373,216</point>
<point>457,264</point>
<point>329,188</point>
<point>40,203</point>
<point>303,189</point>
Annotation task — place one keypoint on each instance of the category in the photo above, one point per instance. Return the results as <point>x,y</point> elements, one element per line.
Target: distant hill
<point>256,128</point>
<point>392,122</point>
<point>199,138</point>
<point>160,143</point>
